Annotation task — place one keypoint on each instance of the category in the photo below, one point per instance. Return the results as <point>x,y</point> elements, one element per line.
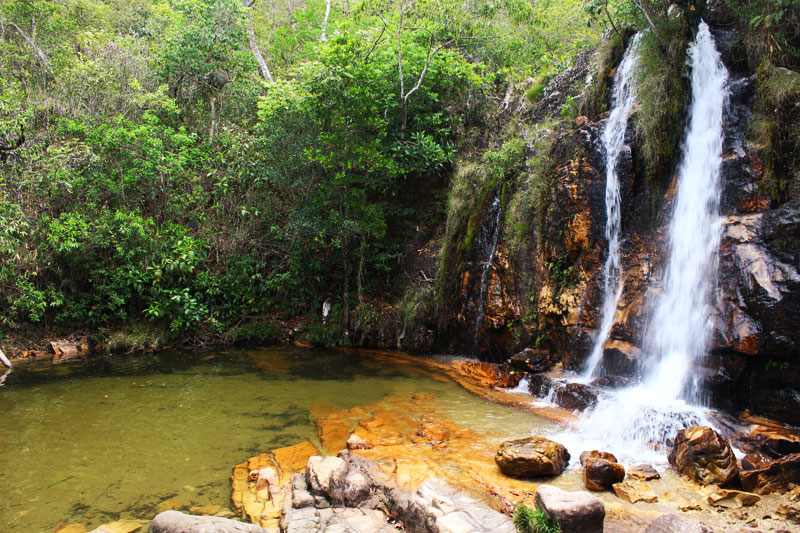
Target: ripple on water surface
<point>107,440</point>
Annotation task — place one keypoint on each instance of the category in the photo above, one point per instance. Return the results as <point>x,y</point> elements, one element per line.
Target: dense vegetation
<point>199,165</point>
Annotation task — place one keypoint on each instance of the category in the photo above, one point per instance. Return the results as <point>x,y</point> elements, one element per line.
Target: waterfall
<point>623,98</point>
<point>640,418</point>
<point>493,227</point>
<point>680,326</point>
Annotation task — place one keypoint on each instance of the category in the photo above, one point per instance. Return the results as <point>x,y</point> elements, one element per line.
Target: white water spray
<point>640,418</point>
<point>623,99</point>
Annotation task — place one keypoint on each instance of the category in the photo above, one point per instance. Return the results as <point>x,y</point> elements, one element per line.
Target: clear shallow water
<point>111,439</point>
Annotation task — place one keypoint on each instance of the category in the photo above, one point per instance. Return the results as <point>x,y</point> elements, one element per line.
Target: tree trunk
<point>256,52</point>
<point>325,20</point>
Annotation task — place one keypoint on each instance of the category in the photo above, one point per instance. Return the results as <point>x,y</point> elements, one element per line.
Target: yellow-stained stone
<point>71,528</point>
<point>120,526</point>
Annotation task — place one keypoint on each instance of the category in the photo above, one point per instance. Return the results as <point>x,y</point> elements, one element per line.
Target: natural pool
<point>92,442</point>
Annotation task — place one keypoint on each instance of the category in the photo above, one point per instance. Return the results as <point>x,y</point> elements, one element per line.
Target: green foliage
<point>605,60</point>
<point>777,129</point>
<point>533,520</point>
<point>662,96</point>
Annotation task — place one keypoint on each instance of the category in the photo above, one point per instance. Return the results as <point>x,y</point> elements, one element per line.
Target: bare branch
<point>256,52</point>
<point>40,55</point>
<point>376,43</point>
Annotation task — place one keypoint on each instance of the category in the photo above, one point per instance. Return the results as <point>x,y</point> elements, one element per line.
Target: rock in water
<point>531,457</point>
<point>643,472</point>
<point>577,512</point>
<point>700,454</point>
<point>634,491</point>
<point>595,454</point>
<point>776,476</point>
<point>601,474</point>
<point>177,522</point>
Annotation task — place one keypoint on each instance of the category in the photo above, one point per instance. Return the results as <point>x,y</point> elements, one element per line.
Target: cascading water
<point>623,99</point>
<point>634,420</point>
<point>493,217</point>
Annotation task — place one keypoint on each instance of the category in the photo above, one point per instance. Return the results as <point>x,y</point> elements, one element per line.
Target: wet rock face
<point>703,456</point>
<point>775,476</point>
<point>759,289</point>
<point>532,457</point>
<point>575,511</point>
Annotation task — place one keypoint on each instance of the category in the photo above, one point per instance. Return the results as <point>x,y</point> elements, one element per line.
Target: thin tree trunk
<point>256,52</point>
<point>346,292</point>
<point>40,55</point>
<point>213,115</point>
<point>325,20</point>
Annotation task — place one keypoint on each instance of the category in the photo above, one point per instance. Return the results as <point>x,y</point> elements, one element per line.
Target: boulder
<point>531,360</point>
<point>671,523</point>
<point>577,512</point>
<point>177,522</point>
<point>634,491</point>
<point>620,358</point>
<point>356,488</point>
<point>703,456</point>
<point>643,472</point>
<point>601,474</point>
<point>595,454</point>
<point>325,477</point>
<point>776,476</point>
<point>576,396</point>
<point>732,499</point>
<point>531,457</point>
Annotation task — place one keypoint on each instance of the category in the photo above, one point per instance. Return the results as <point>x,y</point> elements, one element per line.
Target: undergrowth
<point>528,520</point>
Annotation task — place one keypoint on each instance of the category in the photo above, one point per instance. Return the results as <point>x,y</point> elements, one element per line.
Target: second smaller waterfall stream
<point>622,101</point>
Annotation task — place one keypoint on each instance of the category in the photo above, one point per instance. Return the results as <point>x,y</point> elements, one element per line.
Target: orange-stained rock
<point>489,375</point>
<point>703,456</point>
<point>777,476</point>
<point>293,459</point>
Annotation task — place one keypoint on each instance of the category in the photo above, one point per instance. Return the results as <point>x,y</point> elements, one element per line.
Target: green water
<point>111,439</point>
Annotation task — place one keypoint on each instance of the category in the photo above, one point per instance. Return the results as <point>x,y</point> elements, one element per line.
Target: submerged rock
<point>776,476</point>
<point>703,456</point>
<point>577,512</point>
<point>532,457</point>
<point>177,522</point>
<point>634,491</point>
